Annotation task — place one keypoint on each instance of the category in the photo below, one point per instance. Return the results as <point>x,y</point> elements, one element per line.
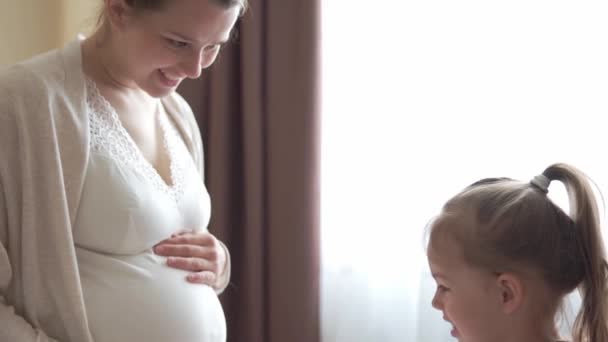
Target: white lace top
<point>126,208</point>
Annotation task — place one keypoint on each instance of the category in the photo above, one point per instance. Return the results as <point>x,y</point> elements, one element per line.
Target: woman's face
<point>159,48</point>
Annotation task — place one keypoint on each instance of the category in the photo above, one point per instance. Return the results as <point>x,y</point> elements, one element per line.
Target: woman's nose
<point>192,67</point>
<point>194,64</point>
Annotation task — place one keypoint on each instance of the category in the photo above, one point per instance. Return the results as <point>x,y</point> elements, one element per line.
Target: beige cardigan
<point>44,141</point>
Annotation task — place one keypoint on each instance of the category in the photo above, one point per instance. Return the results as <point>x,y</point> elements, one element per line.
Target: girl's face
<point>468,298</point>
<point>161,48</point>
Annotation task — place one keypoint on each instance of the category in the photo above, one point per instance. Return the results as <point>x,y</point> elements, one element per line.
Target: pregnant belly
<point>139,298</point>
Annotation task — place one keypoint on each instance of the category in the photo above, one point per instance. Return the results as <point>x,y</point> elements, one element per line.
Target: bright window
<point>421,98</point>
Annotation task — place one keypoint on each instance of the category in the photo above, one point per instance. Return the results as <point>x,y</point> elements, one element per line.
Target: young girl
<point>504,256</point>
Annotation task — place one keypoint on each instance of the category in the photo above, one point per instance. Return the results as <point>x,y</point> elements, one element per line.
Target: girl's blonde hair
<point>514,224</point>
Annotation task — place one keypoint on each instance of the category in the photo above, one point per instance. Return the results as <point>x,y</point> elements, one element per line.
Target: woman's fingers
<point>208,278</point>
<point>199,253</point>
<point>200,239</point>
<point>193,264</point>
<point>189,251</point>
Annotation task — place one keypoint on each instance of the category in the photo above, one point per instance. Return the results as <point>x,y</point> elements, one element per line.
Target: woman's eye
<point>177,43</point>
<point>212,47</point>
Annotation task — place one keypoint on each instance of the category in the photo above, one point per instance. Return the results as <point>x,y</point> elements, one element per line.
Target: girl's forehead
<point>445,254</point>
<point>448,232</point>
<point>448,264</point>
<point>445,232</point>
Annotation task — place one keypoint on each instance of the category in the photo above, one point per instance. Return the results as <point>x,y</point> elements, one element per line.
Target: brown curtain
<point>258,112</point>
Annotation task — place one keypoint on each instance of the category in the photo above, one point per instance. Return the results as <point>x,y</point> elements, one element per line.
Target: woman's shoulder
<point>20,91</point>
<point>30,77</point>
<point>180,110</point>
<point>183,116</point>
<point>15,79</point>
<point>56,73</point>
<point>177,103</point>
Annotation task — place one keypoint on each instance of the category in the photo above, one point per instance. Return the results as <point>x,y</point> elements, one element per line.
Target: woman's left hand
<point>198,252</point>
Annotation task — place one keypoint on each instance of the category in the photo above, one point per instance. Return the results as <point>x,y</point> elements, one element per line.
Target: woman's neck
<point>101,62</point>
<point>100,65</point>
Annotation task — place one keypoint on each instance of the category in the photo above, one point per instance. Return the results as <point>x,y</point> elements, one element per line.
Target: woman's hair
<point>139,6</point>
<point>505,225</point>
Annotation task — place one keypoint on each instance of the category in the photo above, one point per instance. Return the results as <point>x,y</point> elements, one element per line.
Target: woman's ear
<point>117,13</point>
<point>511,292</point>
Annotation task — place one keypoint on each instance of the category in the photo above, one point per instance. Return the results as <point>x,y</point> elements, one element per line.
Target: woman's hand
<point>198,252</point>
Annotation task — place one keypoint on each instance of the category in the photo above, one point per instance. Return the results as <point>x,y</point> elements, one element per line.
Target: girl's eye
<point>177,43</point>
<point>442,288</point>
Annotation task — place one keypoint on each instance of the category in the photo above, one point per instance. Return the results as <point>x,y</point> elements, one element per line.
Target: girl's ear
<point>511,292</point>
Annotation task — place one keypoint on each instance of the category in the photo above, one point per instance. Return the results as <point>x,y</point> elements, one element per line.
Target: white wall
<point>28,27</point>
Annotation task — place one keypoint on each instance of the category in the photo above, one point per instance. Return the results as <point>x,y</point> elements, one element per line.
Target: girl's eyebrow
<point>439,275</point>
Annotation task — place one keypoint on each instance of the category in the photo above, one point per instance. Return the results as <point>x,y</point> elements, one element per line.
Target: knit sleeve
<point>14,326</point>
<point>194,132</point>
<point>198,155</point>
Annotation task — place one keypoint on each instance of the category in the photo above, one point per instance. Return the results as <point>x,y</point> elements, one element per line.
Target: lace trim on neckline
<point>109,136</point>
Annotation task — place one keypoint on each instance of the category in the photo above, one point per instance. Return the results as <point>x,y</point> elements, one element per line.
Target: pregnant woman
<point>103,209</point>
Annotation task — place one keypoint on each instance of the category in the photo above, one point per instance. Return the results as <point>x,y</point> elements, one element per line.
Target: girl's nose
<point>436,302</point>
